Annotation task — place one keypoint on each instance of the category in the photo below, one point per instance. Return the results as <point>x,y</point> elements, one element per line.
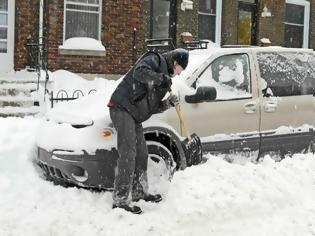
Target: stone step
<point>19,86</point>
<point>16,94</point>
<point>18,112</point>
<point>17,98</point>
<point>18,101</point>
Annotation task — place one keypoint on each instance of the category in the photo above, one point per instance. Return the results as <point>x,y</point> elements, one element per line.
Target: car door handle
<point>270,106</point>
<point>250,107</point>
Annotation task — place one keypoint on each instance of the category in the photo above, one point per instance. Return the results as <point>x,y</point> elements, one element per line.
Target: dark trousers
<point>131,172</point>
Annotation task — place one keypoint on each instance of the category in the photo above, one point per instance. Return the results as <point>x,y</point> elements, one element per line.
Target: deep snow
<point>216,198</point>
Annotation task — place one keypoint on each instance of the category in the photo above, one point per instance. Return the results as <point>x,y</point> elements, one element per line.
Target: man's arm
<point>171,101</point>
<point>146,70</point>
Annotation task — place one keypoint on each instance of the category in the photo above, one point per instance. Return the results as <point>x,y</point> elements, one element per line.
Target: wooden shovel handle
<point>182,122</point>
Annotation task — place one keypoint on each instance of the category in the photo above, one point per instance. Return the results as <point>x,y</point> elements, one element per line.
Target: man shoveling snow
<point>134,101</point>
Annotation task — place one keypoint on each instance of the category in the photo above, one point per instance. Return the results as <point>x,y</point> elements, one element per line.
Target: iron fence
<point>63,96</point>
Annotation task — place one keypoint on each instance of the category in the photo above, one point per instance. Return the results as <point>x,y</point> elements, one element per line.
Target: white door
<point>6,35</point>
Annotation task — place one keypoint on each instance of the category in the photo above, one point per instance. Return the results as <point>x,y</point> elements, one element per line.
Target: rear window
<point>288,73</point>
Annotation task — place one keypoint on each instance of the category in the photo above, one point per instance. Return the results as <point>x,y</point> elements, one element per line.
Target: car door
<point>231,122</point>
<point>287,107</point>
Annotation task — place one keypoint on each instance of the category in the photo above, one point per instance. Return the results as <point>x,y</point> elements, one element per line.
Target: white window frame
<point>306,25</point>
<point>218,21</point>
<point>82,4</point>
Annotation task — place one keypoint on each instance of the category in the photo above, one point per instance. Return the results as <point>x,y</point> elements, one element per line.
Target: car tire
<point>161,165</point>
<point>310,148</point>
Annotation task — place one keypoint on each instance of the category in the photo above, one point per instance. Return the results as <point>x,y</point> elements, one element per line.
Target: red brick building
<point>121,27</point>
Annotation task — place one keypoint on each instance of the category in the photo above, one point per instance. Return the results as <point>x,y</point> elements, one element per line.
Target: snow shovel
<point>192,144</point>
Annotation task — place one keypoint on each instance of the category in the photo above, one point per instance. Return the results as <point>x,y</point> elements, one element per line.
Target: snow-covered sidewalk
<point>216,198</point>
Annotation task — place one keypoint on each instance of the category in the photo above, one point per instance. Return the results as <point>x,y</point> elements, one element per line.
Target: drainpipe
<point>40,33</point>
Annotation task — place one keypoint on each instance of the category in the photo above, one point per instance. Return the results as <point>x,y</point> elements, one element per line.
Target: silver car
<point>264,104</point>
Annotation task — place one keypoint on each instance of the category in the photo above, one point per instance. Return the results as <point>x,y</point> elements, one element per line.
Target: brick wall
<point>272,27</point>
<point>119,18</point>
<point>229,22</point>
<point>26,28</point>
<point>187,21</point>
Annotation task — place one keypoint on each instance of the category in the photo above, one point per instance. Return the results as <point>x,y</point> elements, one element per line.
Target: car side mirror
<point>203,94</point>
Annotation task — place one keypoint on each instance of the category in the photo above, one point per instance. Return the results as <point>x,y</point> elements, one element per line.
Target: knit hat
<point>181,56</point>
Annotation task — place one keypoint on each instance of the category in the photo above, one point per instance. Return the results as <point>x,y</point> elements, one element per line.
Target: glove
<point>173,100</point>
<point>166,81</point>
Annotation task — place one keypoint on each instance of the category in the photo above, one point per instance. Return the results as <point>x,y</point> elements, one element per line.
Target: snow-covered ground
<point>216,198</point>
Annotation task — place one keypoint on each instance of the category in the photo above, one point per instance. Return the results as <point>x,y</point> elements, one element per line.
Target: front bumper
<point>85,170</point>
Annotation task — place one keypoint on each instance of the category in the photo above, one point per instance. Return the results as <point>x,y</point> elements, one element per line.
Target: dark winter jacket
<point>141,91</point>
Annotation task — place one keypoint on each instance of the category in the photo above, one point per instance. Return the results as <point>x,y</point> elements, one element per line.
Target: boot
<point>150,198</point>
<point>132,209</point>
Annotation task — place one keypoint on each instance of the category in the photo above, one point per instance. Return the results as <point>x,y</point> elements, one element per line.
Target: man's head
<point>178,59</point>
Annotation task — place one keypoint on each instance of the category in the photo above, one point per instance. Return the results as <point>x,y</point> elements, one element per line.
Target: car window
<point>230,75</point>
<point>287,73</point>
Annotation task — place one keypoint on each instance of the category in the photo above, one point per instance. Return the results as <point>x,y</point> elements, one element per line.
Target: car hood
<point>82,112</point>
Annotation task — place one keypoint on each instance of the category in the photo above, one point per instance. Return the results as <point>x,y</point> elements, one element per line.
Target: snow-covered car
<point>264,103</point>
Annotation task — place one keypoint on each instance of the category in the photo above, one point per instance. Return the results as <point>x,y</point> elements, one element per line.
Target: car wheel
<point>161,167</point>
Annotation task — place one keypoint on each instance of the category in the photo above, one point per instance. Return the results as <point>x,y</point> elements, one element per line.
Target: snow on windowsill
<point>82,46</point>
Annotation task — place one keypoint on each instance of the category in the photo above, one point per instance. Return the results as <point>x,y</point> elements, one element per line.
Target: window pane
<point>293,36</point>
<point>294,14</point>
<point>3,47</point>
<point>82,8</point>
<point>82,19</point>
<point>3,19</point>
<point>207,6</point>
<point>244,27</point>
<point>206,27</point>
<point>288,74</point>
<point>85,1</point>
<point>229,75</point>
<point>161,18</point>
<point>250,1</point>
<point>80,24</point>
<point>3,5</point>
<point>3,33</point>
<point>94,1</point>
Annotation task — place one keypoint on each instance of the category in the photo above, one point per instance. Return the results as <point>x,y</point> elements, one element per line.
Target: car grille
<point>53,171</point>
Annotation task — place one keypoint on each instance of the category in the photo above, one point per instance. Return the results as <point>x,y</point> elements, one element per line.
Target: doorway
<point>247,23</point>
<point>6,35</point>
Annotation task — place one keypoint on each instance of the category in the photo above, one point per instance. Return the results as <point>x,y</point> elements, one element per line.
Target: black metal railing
<point>63,96</point>
<point>37,59</point>
<point>159,45</point>
<point>196,44</point>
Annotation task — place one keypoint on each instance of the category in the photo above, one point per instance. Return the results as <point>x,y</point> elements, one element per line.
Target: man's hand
<point>166,82</point>
<point>173,100</point>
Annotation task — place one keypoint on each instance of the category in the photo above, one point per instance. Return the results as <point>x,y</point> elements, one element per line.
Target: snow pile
<point>82,43</point>
<point>71,82</point>
<point>216,198</point>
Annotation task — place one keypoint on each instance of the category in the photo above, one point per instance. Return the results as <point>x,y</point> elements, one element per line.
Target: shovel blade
<point>193,150</point>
